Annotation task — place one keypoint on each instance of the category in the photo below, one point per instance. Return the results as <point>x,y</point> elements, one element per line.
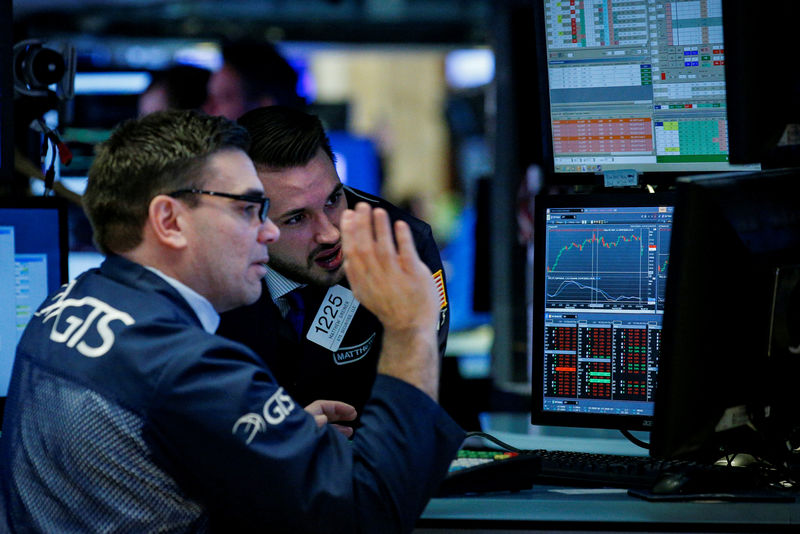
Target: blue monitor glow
<point>636,85</point>
<point>599,269</point>
<point>357,161</point>
<point>33,263</point>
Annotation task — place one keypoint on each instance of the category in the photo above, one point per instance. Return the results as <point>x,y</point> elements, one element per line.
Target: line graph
<point>597,238</point>
<point>662,258</point>
<point>607,266</point>
<point>568,286</point>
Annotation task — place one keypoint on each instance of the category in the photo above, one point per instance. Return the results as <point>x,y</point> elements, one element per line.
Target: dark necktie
<point>296,314</point>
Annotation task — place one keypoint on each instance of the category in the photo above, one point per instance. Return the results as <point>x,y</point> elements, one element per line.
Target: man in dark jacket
<point>127,413</point>
<point>316,352</point>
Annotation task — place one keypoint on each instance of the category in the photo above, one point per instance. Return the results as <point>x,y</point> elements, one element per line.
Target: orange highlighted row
<point>600,137</point>
<point>603,121</point>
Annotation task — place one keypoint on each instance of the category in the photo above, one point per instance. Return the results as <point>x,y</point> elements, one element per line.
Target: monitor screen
<point>727,381</point>
<point>33,264</point>
<point>634,85</point>
<point>600,264</point>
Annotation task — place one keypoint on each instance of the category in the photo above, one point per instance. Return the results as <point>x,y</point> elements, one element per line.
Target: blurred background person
<point>178,87</point>
<point>253,75</point>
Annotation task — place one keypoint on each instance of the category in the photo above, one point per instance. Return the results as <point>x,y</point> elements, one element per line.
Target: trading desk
<point>548,509</point>
<point>554,509</point>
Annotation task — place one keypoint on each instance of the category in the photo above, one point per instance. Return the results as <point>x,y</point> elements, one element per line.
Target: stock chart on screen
<point>605,270</point>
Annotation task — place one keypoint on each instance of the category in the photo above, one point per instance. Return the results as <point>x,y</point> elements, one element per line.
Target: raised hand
<point>394,284</point>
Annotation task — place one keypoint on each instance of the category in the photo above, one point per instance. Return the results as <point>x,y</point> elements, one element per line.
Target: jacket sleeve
<point>428,251</point>
<point>255,458</point>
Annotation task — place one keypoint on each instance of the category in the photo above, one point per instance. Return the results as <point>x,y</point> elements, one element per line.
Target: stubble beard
<point>310,274</point>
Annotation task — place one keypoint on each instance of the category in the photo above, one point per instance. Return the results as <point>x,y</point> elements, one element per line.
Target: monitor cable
<point>633,439</point>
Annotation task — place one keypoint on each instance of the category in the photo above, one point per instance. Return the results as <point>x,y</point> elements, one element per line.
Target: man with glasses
<point>314,350</point>
<point>127,413</point>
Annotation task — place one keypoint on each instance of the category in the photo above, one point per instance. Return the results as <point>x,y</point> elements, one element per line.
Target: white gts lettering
<point>99,315</point>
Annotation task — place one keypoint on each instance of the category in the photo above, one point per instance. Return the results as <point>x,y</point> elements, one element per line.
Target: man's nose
<point>326,231</point>
<point>269,232</point>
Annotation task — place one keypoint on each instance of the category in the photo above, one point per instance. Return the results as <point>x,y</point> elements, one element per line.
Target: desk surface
<point>548,508</point>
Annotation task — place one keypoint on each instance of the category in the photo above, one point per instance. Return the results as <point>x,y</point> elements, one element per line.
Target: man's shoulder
<point>114,337</point>
<point>131,287</point>
<point>418,226</point>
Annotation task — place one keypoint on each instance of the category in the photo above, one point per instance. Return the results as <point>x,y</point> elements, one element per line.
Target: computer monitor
<point>633,90</point>
<point>599,267</point>
<point>727,380</point>
<point>33,264</point>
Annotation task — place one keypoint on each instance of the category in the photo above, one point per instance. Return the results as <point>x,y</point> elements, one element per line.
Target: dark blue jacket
<point>309,371</point>
<point>125,415</point>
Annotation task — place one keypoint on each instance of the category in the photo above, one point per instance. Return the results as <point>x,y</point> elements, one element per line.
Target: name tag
<point>333,318</point>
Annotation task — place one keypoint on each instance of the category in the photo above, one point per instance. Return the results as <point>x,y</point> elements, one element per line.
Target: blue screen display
<point>33,251</point>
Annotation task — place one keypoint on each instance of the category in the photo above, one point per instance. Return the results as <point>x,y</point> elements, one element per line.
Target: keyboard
<point>478,471</point>
<point>568,468</point>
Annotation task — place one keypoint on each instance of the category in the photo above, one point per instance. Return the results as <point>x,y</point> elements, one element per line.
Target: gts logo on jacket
<point>275,410</point>
<point>85,313</point>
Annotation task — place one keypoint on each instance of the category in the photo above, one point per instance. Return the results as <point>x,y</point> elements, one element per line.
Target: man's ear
<point>167,219</point>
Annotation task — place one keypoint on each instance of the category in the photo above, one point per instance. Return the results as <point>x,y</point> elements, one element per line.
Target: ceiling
<point>352,21</point>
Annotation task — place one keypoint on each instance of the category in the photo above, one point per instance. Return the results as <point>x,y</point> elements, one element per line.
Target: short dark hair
<point>263,71</point>
<point>284,137</point>
<point>158,153</point>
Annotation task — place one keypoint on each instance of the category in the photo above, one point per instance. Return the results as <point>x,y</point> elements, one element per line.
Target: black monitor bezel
<point>632,198</point>
<point>752,33</point>
<point>48,203</point>
<point>6,96</point>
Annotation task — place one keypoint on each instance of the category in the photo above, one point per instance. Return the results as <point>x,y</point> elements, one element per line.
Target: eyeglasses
<point>262,201</point>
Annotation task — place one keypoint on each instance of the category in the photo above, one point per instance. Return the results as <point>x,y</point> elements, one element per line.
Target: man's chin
<point>253,295</point>
<point>313,275</point>
<point>328,278</point>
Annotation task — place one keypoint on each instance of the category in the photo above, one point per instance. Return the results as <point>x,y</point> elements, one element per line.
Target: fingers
<point>405,245</point>
<point>384,277</point>
<point>384,242</point>
<point>338,411</point>
<point>344,430</point>
<point>356,226</point>
<point>370,230</point>
<point>320,420</point>
<point>325,412</point>
<point>328,411</point>
<point>364,224</point>
<point>367,246</point>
